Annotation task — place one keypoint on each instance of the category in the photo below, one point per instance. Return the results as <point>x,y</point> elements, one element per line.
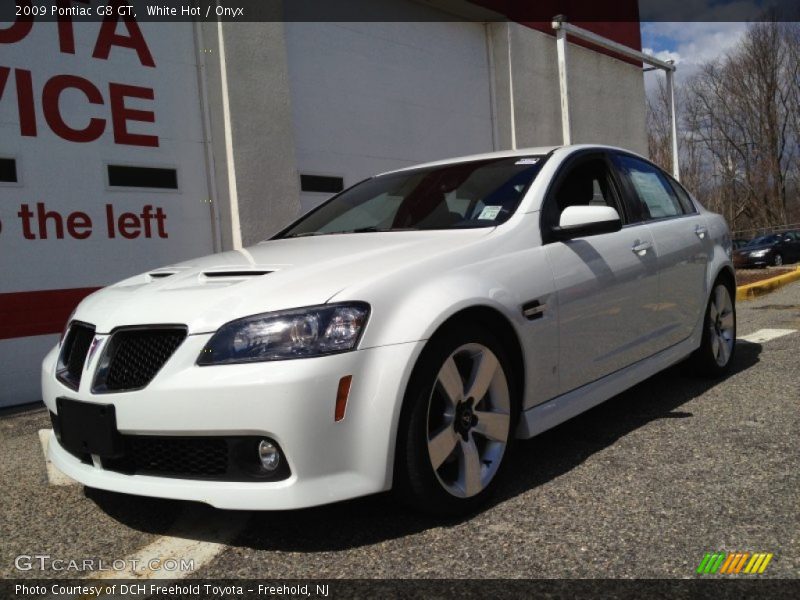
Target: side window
<point>657,198</point>
<point>587,183</point>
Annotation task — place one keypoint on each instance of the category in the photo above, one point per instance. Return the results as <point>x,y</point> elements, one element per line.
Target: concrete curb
<point>759,288</point>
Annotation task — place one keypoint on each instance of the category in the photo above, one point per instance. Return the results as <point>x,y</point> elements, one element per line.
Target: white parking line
<point>54,476</point>
<point>194,540</point>
<point>198,536</point>
<point>765,335</point>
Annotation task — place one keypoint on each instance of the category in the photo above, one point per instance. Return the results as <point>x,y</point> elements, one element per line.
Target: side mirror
<point>583,221</point>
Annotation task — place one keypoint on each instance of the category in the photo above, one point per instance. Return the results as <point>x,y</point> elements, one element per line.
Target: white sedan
<point>400,336</point>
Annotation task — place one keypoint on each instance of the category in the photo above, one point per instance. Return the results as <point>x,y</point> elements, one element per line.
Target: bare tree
<point>739,128</point>
<point>659,138</point>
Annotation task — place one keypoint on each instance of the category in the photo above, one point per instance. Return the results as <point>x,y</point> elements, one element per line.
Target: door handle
<point>641,248</point>
<point>701,232</point>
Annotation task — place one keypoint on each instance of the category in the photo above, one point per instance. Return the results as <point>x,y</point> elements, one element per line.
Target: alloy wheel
<point>469,420</point>
<point>722,325</point>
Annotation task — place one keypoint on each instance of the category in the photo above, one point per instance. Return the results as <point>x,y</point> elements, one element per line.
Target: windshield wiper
<point>358,230</point>
<point>380,229</point>
<point>310,234</point>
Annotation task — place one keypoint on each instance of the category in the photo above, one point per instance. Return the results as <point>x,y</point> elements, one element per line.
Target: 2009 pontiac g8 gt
<point>399,336</point>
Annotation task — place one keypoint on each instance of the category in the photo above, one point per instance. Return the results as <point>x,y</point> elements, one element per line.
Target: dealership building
<point>126,145</point>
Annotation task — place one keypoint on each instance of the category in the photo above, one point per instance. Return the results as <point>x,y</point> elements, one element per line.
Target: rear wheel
<point>715,354</point>
<point>457,423</point>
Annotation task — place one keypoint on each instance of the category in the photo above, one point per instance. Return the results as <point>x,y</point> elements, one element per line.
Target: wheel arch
<point>499,324</point>
<point>727,276</point>
<point>495,322</point>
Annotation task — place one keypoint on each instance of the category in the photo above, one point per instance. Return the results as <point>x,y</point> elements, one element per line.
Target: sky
<point>688,44</point>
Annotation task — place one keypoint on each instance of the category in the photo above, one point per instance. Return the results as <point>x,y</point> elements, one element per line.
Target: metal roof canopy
<point>563,29</point>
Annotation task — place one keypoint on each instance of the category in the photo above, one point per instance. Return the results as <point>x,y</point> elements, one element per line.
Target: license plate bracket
<point>89,428</point>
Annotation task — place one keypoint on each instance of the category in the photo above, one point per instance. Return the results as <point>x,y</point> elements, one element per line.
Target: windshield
<point>763,240</point>
<point>481,193</point>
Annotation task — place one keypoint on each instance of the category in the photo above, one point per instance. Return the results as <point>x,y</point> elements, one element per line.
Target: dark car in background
<point>739,242</point>
<point>772,249</point>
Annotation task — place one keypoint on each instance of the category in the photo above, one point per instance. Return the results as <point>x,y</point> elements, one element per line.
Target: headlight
<point>758,253</point>
<point>296,333</point>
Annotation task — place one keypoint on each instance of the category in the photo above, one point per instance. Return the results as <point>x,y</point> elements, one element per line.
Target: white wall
<point>69,176</point>
<point>607,101</point>
<point>254,168</point>
<point>370,97</point>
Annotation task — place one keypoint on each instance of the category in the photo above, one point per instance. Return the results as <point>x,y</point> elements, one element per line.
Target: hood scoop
<point>161,274</point>
<point>213,277</point>
<point>240,274</point>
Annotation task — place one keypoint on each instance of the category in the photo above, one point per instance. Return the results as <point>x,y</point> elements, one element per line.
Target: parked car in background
<point>399,336</point>
<point>738,243</point>
<point>772,249</point>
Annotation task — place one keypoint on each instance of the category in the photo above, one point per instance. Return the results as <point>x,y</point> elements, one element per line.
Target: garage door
<point>370,97</point>
<point>102,172</point>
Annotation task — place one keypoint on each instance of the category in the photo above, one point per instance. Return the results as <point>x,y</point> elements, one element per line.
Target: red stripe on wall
<point>626,33</point>
<point>618,21</point>
<point>23,314</point>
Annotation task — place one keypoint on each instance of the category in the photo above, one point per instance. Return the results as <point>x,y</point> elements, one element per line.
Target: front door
<point>605,284</point>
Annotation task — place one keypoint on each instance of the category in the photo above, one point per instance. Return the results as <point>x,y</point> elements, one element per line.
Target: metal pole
<point>579,32</point>
<point>511,91</point>
<point>676,170</point>
<point>562,29</point>
<point>211,178</point>
<point>561,50</point>
<point>233,190</point>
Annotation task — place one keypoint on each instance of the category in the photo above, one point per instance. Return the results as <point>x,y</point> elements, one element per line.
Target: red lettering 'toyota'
<point>134,40</point>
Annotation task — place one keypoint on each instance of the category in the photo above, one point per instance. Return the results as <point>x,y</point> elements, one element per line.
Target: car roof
<point>531,151</point>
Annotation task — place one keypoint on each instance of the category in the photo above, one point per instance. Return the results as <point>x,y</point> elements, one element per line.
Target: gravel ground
<point>746,276</point>
<point>641,486</point>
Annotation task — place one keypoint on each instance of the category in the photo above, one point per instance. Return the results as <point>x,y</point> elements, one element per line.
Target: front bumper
<point>750,262</point>
<point>291,402</point>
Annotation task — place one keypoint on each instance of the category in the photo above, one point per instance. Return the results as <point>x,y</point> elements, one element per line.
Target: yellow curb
<point>759,288</point>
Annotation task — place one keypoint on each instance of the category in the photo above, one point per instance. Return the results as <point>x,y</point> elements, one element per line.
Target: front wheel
<point>715,355</point>
<point>777,260</point>
<point>457,422</point>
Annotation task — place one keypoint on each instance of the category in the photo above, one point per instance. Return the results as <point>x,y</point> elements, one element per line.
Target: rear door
<point>605,284</point>
<point>682,248</point>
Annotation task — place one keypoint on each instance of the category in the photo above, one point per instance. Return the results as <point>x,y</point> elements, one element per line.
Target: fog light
<point>268,455</point>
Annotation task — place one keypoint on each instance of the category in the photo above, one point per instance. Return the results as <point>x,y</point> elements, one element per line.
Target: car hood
<point>749,249</point>
<point>207,292</point>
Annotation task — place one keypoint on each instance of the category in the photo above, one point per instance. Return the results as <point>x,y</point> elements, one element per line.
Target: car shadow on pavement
<point>379,518</point>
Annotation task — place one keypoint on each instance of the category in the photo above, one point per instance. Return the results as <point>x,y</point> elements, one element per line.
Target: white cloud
<point>664,55</point>
<point>689,45</point>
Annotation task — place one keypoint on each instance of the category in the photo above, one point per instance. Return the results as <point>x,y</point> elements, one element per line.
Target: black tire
<point>416,482</point>
<point>777,259</point>
<point>705,361</point>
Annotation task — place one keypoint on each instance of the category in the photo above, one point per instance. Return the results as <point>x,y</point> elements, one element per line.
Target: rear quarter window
<point>683,197</point>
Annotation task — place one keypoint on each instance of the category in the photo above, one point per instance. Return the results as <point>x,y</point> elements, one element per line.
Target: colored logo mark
<point>733,563</point>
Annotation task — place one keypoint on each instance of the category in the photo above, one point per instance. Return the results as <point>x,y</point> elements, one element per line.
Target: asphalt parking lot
<point>641,486</point>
